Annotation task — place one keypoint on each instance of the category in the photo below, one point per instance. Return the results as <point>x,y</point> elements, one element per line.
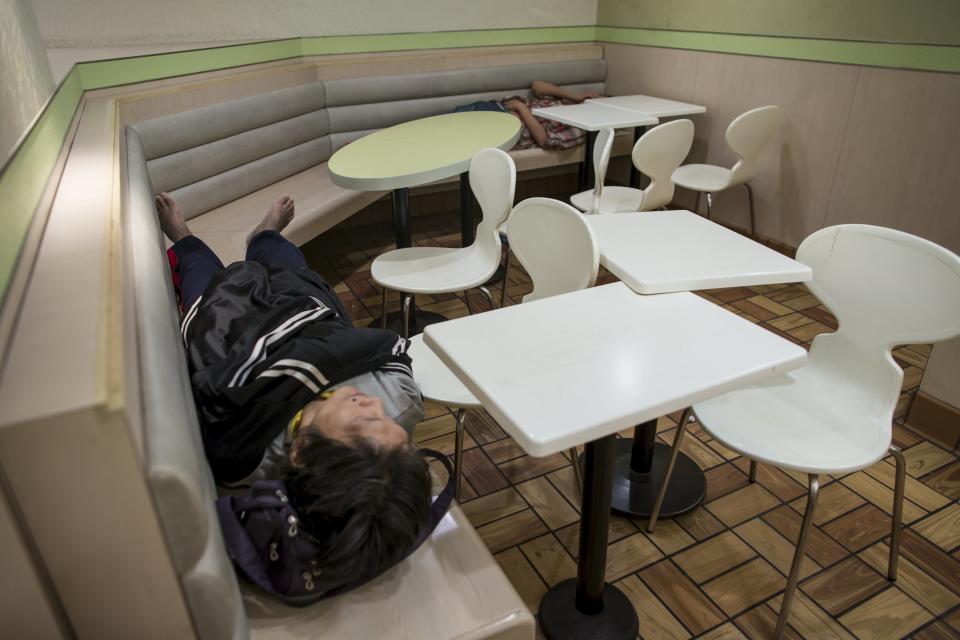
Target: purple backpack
<point>268,548</point>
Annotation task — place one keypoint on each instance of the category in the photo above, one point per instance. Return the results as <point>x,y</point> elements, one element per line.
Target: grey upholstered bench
<point>227,162</point>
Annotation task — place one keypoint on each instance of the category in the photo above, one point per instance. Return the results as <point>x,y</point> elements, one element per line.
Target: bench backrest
<point>213,155</point>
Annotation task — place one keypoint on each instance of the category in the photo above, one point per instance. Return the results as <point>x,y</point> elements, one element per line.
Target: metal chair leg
<point>899,486</point>
<point>506,280</point>
<point>709,204</point>
<point>577,471</point>
<point>696,204</point>
<point>753,223</point>
<point>466,296</point>
<point>812,493</point>
<point>407,303</point>
<point>486,294</point>
<point>383,310</point>
<point>753,471</point>
<point>665,480</point>
<point>458,453</point>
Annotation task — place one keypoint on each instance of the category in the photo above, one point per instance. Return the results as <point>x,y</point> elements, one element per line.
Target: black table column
<point>634,174</point>
<point>586,177</point>
<point>586,606</point>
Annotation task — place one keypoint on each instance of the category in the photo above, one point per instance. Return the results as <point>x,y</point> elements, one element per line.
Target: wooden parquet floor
<point>718,571</point>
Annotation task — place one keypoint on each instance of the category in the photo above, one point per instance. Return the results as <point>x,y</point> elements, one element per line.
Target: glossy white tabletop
<point>421,151</point>
<point>659,107</point>
<point>666,251</point>
<point>569,369</point>
<point>591,116</point>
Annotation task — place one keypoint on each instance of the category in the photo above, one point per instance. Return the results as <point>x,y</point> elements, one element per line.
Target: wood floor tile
<point>528,467</point>
<point>656,621</point>
<point>734,508</point>
<point>435,427</point>
<point>861,527</point>
<point>713,557</point>
<point>446,443</point>
<point>522,576</point>
<point>550,559</point>
<point>914,490</point>
<point>773,547</point>
<point>493,506</point>
<point>704,456</point>
<point>844,585</point>
<point>748,306</point>
<point>669,536</point>
<point>483,428</point>
<point>731,294</point>
<point>566,483</point>
<point>482,474</point>
<point>834,500</point>
<point>721,449</point>
<point>925,457</point>
<point>510,531</point>
<point>555,511</point>
<point>790,322</point>
<point>945,480</point>
<point>760,623</point>
<point>503,450</point>
<point>618,529</point>
<point>629,555</point>
<point>953,619</point>
<point>881,495</point>
<point>770,305</point>
<point>822,548</point>
<point>936,631</point>
<point>774,480</point>
<point>912,356</point>
<point>889,615</point>
<point>722,480</point>
<point>904,437</point>
<point>725,631</point>
<point>931,559</point>
<point>745,586</point>
<point>822,316</point>
<point>809,620</point>
<point>803,302</point>
<point>699,523</point>
<point>682,596</point>
<point>912,580</point>
<point>942,528</point>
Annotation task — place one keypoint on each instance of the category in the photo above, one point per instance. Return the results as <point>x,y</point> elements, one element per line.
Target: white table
<point>592,117</point>
<point>666,251</point>
<point>578,368</point>
<point>659,107</point>
<point>418,152</point>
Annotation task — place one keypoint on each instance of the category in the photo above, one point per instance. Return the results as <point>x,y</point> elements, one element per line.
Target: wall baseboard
<point>935,419</point>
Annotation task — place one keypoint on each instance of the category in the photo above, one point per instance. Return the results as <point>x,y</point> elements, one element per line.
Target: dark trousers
<point>197,263</point>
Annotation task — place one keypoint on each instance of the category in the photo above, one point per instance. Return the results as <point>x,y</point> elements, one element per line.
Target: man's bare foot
<point>278,217</point>
<point>171,217</point>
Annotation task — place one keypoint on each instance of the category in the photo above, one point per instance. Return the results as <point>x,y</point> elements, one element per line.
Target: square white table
<point>659,107</point>
<point>666,251</point>
<point>593,117</point>
<point>578,368</point>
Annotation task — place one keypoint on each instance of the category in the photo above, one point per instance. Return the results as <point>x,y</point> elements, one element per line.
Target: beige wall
<point>26,80</point>
<point>859,144</point>
<point>99,23</point>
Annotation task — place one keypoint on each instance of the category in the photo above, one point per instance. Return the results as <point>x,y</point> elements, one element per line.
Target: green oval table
<point>416,153</point>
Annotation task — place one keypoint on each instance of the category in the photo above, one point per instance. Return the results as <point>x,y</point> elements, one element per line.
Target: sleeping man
<point>287,388</point>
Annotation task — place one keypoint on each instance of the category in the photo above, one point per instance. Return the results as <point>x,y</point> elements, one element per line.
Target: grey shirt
<point>402,403</point>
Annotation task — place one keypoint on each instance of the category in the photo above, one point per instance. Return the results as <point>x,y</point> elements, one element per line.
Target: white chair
<point>748,134</point>
<point>558,249</point>
<point>412,270</point>
<point>657,154</point>
<point>602,148</point>
<point>834,416</point>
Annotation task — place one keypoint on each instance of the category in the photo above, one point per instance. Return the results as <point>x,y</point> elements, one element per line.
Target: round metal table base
<point>561,620</point>
<point>420,320</point>
<point>634,493</point>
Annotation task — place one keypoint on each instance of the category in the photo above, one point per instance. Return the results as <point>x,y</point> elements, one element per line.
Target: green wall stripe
<point>25,176</point>
<point>874,54</point>
<point>326,45</point>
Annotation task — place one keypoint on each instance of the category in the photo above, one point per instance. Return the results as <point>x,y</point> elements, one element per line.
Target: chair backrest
<point>602,148</point>
<point>657,154</point>
<point>493,180</point>
<point>748,134</point>
<point>555,244</point>
<point>886,288</point>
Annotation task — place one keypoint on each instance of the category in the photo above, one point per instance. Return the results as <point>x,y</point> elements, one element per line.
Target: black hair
<point>365,506</point>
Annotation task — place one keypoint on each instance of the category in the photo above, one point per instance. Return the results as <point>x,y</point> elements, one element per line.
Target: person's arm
<point>522,111</point>
<point>542,88</point>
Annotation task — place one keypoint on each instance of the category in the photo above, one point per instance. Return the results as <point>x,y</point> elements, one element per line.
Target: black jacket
<point>261,343</point>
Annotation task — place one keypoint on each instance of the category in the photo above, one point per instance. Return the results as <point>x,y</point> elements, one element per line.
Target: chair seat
<point>436,381</point>
<point>432,269</point>
<point>702,177</point>
<point>807,421</point>
<point>613,200</point>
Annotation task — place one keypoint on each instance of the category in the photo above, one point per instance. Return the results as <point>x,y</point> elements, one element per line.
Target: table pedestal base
<point>634,493</point>
<point>560,618</point>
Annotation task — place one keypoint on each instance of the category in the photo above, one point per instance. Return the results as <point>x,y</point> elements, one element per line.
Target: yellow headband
<point>294,423</point>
